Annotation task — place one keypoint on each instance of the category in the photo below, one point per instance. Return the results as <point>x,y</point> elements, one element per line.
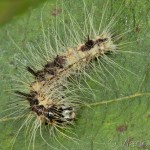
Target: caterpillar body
<point>57,110</point>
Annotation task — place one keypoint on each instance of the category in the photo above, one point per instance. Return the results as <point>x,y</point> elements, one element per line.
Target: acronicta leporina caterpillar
<point>69,68</point>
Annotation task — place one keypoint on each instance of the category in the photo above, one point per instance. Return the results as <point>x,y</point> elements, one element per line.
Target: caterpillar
<point>57,110</point>
<point>49,96</point>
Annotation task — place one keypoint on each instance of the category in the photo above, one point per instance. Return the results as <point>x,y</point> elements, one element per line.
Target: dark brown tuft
<point>99,41</point>
<point>88,45</point>
<point>59,61</point>
<point>34,73</point>
<point>30,97</point>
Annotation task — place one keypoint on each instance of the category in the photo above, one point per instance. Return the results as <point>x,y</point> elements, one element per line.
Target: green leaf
<point>117,117</point>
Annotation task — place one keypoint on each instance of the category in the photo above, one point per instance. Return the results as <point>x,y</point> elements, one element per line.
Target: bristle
<point>29,69</point>
<point>30,97</point>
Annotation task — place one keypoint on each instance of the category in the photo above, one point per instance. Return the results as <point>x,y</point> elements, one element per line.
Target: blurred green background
<point>11,8</point>
<point>118,126</point>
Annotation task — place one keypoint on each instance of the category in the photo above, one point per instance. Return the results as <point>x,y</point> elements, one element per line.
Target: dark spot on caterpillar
<point>50,68</point>
<point>30,97</point>
<point>59,61</point>
<point>122,128</point>
<point>88,45</point>
<point>38,74</point>
<point>34,73</point>
<point>38,109</point>
<point>46,123</point>
<point>99,41</point>
<point>59,121</point>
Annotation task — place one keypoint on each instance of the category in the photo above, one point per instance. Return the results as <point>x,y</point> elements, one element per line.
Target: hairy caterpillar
<point>57,110</point>
<point>63,101</point>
